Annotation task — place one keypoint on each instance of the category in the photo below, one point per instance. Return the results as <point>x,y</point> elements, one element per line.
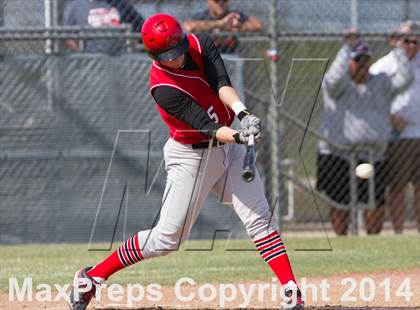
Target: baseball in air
<point>364,171</point>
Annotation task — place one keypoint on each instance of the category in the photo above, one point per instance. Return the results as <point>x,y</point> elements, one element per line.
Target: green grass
<point>57,263</point>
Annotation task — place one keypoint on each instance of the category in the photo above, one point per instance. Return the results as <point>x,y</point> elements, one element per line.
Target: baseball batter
<point>195,98</point>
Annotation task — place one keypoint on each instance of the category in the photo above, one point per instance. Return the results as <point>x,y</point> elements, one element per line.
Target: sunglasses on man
<point>221,1</point>
<point>408,41</point>
<point>361,59</point>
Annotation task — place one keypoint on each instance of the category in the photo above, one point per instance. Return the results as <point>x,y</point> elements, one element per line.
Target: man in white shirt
<point>356,112</point>
<point>404,150</point>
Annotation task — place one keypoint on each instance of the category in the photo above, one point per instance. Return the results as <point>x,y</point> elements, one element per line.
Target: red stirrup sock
<point>272,250</point>
<point>126,255</point>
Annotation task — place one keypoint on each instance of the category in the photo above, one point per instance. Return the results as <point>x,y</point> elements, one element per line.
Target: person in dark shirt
<point>218,17</point>
<point>100,13</point>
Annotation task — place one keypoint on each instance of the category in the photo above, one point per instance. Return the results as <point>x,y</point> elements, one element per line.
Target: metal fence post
<point>55,8</point>
<point>354,18</point>
<point>1,13</point>
<point>277,186</point>
<point>372,181</point>
<point>406,10</point>
<point>1,24</point>
<point>48,18</point>
<point>49,21</point>
<point>354,206</point>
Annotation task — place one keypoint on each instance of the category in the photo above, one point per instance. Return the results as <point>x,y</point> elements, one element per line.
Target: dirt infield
<point>379,290</point>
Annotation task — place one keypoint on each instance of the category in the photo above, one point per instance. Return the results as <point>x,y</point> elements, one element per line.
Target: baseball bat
<point>248,172</point>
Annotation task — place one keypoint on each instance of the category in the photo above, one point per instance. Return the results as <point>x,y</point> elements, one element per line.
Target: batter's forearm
<point>229,96</point>
<point>249,122</point>
<point>231,99</point>
<point>226,135</point>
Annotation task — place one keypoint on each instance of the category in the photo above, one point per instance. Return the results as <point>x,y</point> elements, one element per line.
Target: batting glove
<point>243,135</point>
<point>251,125</point>
<point>240,137</point>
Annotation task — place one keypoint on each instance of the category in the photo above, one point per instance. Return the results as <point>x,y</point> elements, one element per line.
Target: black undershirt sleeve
<point>183,107</point>
<point>214,67</point>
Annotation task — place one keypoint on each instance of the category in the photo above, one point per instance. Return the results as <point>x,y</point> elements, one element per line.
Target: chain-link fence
<point>327,135</point>
<point>64,116</point>
<point>60,120</point>
<point>297,15</point>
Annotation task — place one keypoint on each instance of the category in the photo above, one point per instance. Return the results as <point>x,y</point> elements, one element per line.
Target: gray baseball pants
<point>191,175</point>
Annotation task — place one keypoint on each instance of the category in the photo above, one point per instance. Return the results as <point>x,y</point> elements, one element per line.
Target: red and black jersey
<point>195,85</point>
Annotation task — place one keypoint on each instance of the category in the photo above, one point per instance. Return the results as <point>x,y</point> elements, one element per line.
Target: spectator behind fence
<point>356,112</point>
<point>218,17</point>
<point>404,151</point>
<point>100,13</point>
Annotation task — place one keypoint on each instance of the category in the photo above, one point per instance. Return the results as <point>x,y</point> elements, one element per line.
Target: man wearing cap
<point>356,113</point>
<point>404,149</point>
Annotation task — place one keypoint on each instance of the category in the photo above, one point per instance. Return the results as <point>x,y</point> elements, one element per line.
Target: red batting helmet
<point>163,37</point>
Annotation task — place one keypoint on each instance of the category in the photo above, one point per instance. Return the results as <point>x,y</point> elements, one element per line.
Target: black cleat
<point>82,291</point>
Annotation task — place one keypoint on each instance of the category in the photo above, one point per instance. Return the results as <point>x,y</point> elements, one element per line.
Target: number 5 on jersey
<point>212,114</point>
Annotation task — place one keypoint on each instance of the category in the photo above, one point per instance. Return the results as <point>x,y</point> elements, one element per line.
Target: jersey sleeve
<point>214,67</point>
<point>183,107</point>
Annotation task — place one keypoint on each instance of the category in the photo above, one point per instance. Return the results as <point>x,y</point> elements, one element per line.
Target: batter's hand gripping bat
<point>248,172</point>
